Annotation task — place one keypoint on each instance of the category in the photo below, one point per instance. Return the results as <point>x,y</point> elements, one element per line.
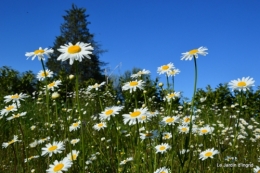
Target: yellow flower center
<point>9,108</point>
<point>74,157</point>
<point>75,124</point>
<point>43,74</point>
<point>58,167</point>
<point>258,171</point>
<point>208,154</point>
<point>133,83</point>
<point>30,158</point>
<point>167,136</point>
<point>96,85</point>
<point>184,129</point>
<point>36,52</point>
<point>163,172</point>
<point>171,95</point>
<point>109,112</point>
<point>52,148</point>
<point>16,96</point>
<point>143,117</point>
<point>74,49</point>
<point>193,52</point>
<point>51,84</point>
<point>12,141</point>
<point>135,114</point>
<point>73,141</point>
<point>169,120</point>
<point>17,115</point>
<point>241,84</point>
<point>172,72</point>
<point>204,131</point>
<point>165,67</point>
<point>100,125</point>
<point>148,134</point>
<point>186,120</point>
<point>162,148</point>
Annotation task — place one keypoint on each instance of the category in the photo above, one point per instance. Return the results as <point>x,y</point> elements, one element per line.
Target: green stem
<point>173,83</point>
<point>80,116</point>
<point>168,84</point>
<point>47,95</point>
<point>188,139</point>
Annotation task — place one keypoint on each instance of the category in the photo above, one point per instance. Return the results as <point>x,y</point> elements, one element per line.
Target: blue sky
<point>145,34</point>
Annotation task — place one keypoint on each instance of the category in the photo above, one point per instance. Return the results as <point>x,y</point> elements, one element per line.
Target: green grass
<point>235,135</point>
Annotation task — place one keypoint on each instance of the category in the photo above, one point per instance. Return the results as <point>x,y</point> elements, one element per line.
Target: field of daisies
<point>92,131</point>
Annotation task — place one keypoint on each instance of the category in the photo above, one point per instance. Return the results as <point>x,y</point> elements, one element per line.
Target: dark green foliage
<point>12,82</point>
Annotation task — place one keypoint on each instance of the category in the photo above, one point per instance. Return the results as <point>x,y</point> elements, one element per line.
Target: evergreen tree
<point>75,29</point>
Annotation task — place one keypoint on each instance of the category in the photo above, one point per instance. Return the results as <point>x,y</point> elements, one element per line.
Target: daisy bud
<point>55,95</point>
<point>160,84</point>
<point>71,76</point>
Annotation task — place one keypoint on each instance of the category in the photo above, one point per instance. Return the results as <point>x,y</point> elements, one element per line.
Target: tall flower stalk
<point>192,54</point>
<point>76,53</point>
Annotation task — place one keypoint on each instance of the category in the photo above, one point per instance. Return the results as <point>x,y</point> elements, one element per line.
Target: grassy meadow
<point>147,128</point>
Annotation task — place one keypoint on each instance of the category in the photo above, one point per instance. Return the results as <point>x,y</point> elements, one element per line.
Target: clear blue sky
<point>145,34</point>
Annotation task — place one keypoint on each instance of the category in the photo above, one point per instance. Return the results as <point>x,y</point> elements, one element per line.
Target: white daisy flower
<point>15,98</point>
<point>194,53</point>
<point>186,120</point>
<point>39,53</point>
<point>40,141</point>
<point>16,116</point>
<point>126,160</point>
<point>132,117</point>
<point>162,148</point>
<point>257,169</point>
<point>172,96</point>
<point>7,109</point>
<point>162,170</point>
<point>203,99</point>
<point>73,155</point>
<point>99,126</point>
<point>53,85</point>
<point>241,84</point>
<point>55,147</point>
<point>170,120</point>
<point>205,130</point>
<point>75,52</point>
<point>6,144</point>
<point>30,158</point>
<point>173,72</point>
<point>96,86</point>
<point>33,144</point>
<point>152,113</point>
<point>110,111</point>
<point>151,135</point>
<point>166,135</point>
<point>165,68</point>
<point>74,126</point>
<point>60,166</point>
<point>74,141</point>
<point>41,75</point>
<point>132,85</point>
<point>208,153</point>
<point>183,129</point>
<point>140,73</point>
<point>144,118</point>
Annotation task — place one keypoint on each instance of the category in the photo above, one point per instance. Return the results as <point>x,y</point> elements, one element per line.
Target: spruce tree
<point>75,29</point>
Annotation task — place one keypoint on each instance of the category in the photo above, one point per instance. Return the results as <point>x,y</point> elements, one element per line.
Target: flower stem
<point>80,116</point>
